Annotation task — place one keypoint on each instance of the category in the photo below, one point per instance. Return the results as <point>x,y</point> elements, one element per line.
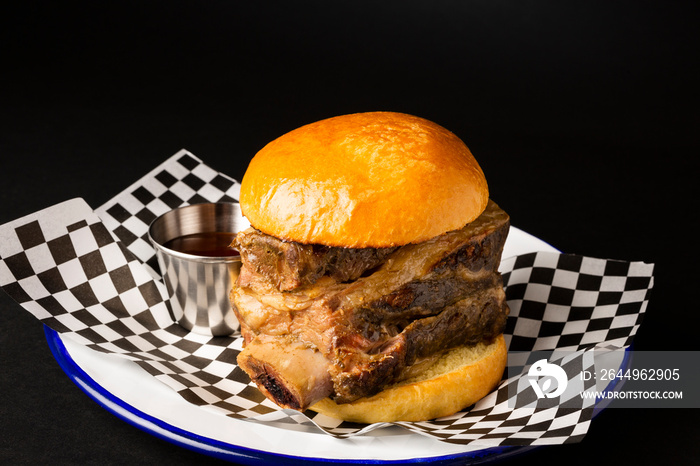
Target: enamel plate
<point>127,391</point>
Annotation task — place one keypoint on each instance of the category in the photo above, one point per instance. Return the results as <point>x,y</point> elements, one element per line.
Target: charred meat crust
<point>273,386</point>
<point>418,300</point>
<point>466,322</point>
<point>289,265</point>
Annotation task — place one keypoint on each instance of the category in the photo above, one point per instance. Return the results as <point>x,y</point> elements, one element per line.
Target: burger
<point>369,288</point>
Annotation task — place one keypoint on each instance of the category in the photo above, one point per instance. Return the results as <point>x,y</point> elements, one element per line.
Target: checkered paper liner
<point>92,277</point>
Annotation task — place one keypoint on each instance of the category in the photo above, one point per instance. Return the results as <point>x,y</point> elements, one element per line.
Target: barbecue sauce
<point>212,244</point>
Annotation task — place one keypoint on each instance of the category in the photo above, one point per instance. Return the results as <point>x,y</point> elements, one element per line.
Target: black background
<point>584,116</point>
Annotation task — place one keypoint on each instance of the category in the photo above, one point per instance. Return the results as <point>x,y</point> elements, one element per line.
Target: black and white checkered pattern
<point>571,302</point>
<point>86,275</point>
<point>182,180</point>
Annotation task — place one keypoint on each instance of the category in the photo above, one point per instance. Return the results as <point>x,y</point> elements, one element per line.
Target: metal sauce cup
<point>199,285</point>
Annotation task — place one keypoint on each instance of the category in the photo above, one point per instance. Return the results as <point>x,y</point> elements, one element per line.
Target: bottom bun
<point>460,378</point>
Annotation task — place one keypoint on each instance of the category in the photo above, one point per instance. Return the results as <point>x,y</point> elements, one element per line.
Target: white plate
<point>127,391</point>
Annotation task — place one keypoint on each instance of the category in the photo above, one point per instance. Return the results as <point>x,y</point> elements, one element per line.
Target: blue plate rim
<point>228,451</point>
<point>245,455</point>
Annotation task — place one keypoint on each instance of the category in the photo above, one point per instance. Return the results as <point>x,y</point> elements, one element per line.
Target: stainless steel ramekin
<point>199,286</point>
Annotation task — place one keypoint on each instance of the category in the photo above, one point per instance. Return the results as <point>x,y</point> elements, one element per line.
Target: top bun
<point>377,179</point>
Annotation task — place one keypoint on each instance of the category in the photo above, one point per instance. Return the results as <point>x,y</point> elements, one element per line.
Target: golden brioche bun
<point>460,378</point>
<point>374,179</point>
